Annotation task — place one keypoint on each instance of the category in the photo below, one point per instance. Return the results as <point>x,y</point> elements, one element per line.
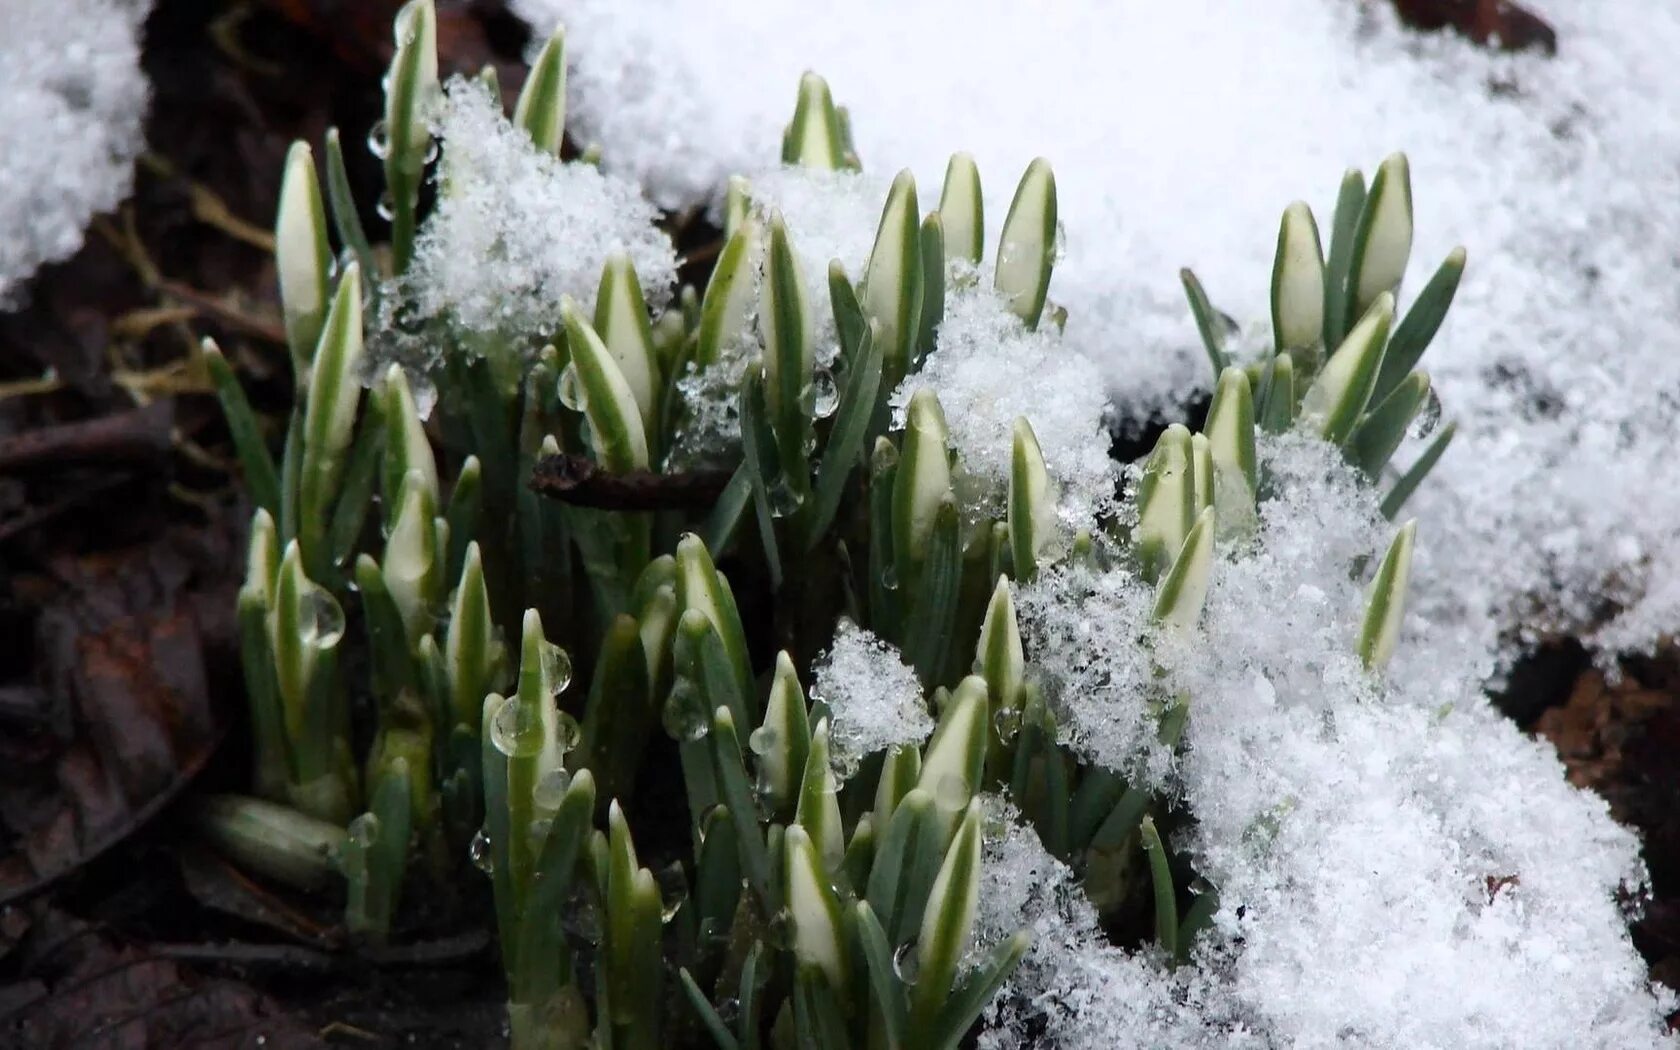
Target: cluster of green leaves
<point>802,906</point>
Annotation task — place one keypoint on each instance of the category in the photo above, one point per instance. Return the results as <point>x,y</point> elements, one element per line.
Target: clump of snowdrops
<point>474,643</point>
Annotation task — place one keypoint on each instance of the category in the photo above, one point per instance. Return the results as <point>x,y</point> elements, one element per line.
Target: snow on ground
<point>1178,133</point>
<point>71,101</point>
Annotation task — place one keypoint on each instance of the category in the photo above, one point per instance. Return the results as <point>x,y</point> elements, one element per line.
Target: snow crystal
<point>988,369</point>
<point>874,699</point>
<point>69,125</point>
<point>514,232</point>
<point>1179,132</point>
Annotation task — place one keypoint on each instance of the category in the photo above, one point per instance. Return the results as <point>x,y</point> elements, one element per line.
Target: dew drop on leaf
<point>572,392</point>
<point>1428,417</point>
<point>321,618</point>
<point>551,788</point>
<point>379,140</point>
<point>907,963</point>
<point>556,667</point>
<point>516,730</point>
<point>763,740</point>
<point>825,394</point>
<point>479,852</point>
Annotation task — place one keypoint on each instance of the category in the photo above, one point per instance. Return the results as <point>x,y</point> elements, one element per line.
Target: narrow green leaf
<point>729,510</point>
<point>783,742</point>
<point>346,220</point>
<point>1230,432</point>
<point>884,586</point>
<point>922,482</point>
<point>1412,478</point>
<point>1417,329</point>
<point>817,939</point>
<point>1031,504</point>
<point>933,288</point>
<point>1209,324</point>
<point>615,417</point>
<point>1339,314</point>
<point>884,980</point>
<point>849,321</point>
<point>947,923</point>
<point>261,479</point>
<point>541,109</point>
<point>1166,899</point>
<point>737,792</point>
<point>729,297</point>
<point>786,320</point>
<point>330,414</point>
<point>955,757</point>
<point>1179,598</point>
<point>760,457</point>
<point>1277,408</point>
<point>973,995</point>
<point>1380,432</point>
<point>1338,396</point>
<point>891,291</point>
<point>846,436</point>
<point>714,1024</point>
<point>930,634</point>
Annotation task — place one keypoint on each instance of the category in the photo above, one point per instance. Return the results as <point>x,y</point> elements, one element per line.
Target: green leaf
<point>729,510</point>
<point>615,417</point>
<point>462,516</point>
<point>344,532</point>
<point>1338,396</point>
<point>784,740</point>
<point>1179,598</point>
<point>619,715</point>
<point>884,586</point>
<point>973,995</point>
<point>817,939</point>
<point>947,922</point>
<point>1409,481</point>
<point>1000,657</point>
<point>1031,505</point>
<point>379,839</point>
<point>1209,324</point>
<point>1277,405</point>
<point>541,109</point>
<point>955,758</point>
<point>814,138</point>
<point>933,288</point>
<point>1203,482</point>
<point>1382,242</point>
<point>346,221</point>
<point>1230,432</point>
<point>962,210</point>
<point>922,482</point>
<point>261,480</point>
<point>471,650</point>
<point>819,805</point>
<point>1027,248</point>
<point>760,457</point>
<point>1338,296</point>
<point>1166,900</point>
<point>737,792</point>
<point>789,349</point>
<point>730,294</point>
<point>1417,329</point>
<point>715,1026</point>
<point>884,980</point>
<point>1385,601</point>
<point>701,587</point>
<point>849,321</point>
<point>1297,282</point>
<point>387,639</point>
<point>901,767</point>
<point>846,436</point>
<point>302,259</point>
<point>930,634</point>
<point>273,840</point>
<point>330,415</point>
<point>906,863</point>
<point>412,87</point>
<point>413,564</point>
<point>891,291</point>
<point>1380,432</point>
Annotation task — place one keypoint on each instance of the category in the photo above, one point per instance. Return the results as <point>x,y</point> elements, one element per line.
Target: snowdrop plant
<point>475,460</point>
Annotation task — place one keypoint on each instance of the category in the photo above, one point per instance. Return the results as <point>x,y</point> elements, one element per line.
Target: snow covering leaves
<point>514,232</point>
<point>1180,130</point>
<point>73,99</point>
<point>873,697</point>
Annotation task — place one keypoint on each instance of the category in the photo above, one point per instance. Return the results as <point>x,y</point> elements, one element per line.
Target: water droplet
<point>1428,417</point>
<point>673,890</point>
<point>728,1010</point>
<point>550,788</point>
<point>784,498</point>
<point>685,715</point>
<point>364,830</point>
<point>567,732</point>
<point>572,392</point>
<point>431,150</point>
<point>379,140</point>
<point>387,206</point>
<point>516,730</point>
<point>763,740</point>
<point>951,792</point>
<point>1007,722</point>
<point>320,617</point>
<point>479,852</point>
<point>907,963</point>
<point>556,667</point>
<point>825,394</point>
<point>889,578</point>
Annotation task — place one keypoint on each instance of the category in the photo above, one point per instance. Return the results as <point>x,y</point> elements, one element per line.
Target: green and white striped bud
<point>1383,240</point>
<point>1165,501</point>
<point>1027,249</point>
<point>962,212</point>
<point>621,320</point>
<point>1183,590</point>
<point>815,910</point>
<point>923,478</point>
<point>1031,503</point>
<point>1298,282</point>
<point>541,109</point>
<point>302,257</point>
<point>1385,601</point>
<point>615,416</point>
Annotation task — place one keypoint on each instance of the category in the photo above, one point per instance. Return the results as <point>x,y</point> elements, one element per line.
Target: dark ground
<point>121,546</point>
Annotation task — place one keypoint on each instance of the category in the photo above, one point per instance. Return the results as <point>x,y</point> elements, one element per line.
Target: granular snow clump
<point>987,369</point>
<point>1397,865</point>
<point>514,232</point>
<point>874,699</point>
<point>1178,134</point>
<point>70,125</point>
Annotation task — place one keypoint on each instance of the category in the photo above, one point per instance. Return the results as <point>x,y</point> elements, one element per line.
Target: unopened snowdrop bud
<point>730,294</point>
<point>923,478</point>
<point>1000,655</point>
<point>962,212</point>
<point>700,587</point>
<point>1298,282</point>
<point>1383,240</point>
<point>615,417</point>
<point>1031,503</point>
<point>819,806</point>
<point>541,109</point>
<point>783,741</point>
<point>1166,502</point>
<point>273,840</point>
<point>1201,473</point>
<point>411,88</point>
<point>307,621</point>
<point>891,291</point>
<point>330,412</point>
<point>785,318</point>
<point>262,557</point>
<point>901,768</point>
<point>412,566</point>
<point>1230,435</point>
<point>1385,607</point>
<point>1183,590</point>
<point>1336,399</point>
<point>302,257</point>
<point>407,450</point>
<point>470,645</point>
<point>1027,249</point>
<point>621,320</point>
<point>956,756</point>
<point>948,921</point>
<point>815,909</point>
<point>814,138</point>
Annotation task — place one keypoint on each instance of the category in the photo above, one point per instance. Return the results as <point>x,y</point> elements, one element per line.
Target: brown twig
<point>579,481</point>
<point>142,435</point>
